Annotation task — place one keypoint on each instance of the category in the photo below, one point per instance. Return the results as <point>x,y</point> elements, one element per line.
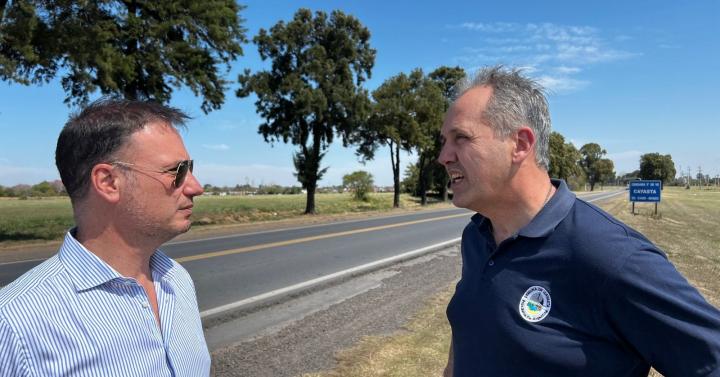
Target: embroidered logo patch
<point>535,304</point>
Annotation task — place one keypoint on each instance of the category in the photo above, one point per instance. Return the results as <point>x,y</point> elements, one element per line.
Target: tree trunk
<point>313,169</point>
<point>395,160</point>
<point>422,174</point>
<point>310,202</point>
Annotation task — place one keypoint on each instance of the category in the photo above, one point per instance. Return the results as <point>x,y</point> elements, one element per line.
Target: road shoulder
<point>380,303</point>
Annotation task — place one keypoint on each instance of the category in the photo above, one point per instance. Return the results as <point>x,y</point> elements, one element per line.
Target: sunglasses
<point>179,171</point>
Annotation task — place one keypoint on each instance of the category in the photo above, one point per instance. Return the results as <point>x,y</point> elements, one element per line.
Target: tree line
<point>40,190</point>
<point>311,95</point>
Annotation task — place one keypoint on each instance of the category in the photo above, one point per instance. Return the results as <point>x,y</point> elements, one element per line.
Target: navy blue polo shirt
<point>576,293</point>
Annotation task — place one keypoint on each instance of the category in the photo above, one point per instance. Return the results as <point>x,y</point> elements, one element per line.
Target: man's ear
<point>104,181</point>
<point>524,144</point>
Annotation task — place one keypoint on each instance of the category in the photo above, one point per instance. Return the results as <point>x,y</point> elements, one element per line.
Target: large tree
<point>446,78</point>
<point>564,158</point>
<point>430,106</point>
<point>594,165</point>
<point>657,166</point>
<point>313,89</point>
<point>605,170</point>
<point>138,49</point>
<point>405,107</point>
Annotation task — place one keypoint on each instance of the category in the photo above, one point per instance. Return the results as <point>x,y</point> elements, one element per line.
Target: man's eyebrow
<point>452,131</point>
<point>170,166</point>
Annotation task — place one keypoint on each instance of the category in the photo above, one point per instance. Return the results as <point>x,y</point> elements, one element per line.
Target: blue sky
<point>633,76</point>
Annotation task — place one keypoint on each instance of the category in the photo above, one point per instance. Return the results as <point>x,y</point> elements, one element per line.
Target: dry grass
<point>686,228</point>
<point>420,349</point>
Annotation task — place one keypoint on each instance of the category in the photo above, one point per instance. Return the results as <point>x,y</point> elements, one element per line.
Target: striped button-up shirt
<point>74,315</point>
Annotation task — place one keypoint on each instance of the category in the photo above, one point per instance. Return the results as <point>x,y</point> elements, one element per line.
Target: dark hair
<point>96,133</point>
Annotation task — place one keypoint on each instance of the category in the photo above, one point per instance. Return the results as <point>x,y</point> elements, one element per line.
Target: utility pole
<point>681,173</point>
<point>700,177</point>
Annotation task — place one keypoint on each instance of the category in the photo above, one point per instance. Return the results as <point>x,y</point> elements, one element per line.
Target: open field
<point>686,228</point>
<point>32,220</point>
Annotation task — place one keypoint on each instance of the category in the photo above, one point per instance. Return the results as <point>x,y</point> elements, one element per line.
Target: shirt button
<point>491,263</point>
<point>145,304</point>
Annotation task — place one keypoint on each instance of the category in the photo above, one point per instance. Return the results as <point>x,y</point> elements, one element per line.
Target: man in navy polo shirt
<point>552,285</point>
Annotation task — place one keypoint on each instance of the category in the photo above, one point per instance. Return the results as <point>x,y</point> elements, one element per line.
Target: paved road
<point>229,269</point>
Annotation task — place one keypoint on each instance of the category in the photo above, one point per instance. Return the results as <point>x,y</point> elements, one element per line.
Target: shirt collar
<point>552,213</point>
<point>88,271</point>
<point>547,219</point>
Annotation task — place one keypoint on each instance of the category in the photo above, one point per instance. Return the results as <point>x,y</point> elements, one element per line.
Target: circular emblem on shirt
<point>535,304</point>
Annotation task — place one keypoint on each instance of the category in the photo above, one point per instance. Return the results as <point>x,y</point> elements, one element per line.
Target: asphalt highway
<point>230,269</point>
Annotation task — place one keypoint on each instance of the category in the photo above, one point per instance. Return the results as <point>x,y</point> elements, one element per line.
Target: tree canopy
<point>657,166</point>
<point>594,165</point>
<point>360,183</point>
<point>138,49</point>
<point>313,89</point>
<point>564,158</point>
<point>405,110</point>
<point>446,78</point>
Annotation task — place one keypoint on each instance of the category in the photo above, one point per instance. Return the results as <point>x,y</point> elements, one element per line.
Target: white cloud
<point>556,52</point>
<point>567,70</point>
<point>561,84</point>
<point>494,27</point>
<point>216,147</point>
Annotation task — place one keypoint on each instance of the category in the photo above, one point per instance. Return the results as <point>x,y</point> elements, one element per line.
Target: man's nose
<point>192,186</point>
<point>447,155</point>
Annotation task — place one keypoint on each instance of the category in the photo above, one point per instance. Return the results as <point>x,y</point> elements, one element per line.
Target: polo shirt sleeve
<point>655,312</point>
<point>13,356</point>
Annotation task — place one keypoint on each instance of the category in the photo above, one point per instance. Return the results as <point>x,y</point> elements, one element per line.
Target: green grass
<point>32,220</point>
<point>240,209</point>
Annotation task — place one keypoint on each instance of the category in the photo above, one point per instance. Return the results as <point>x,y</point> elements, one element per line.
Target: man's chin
<point>180,228</point>
<point>185,227</point>
<point>457,201</point>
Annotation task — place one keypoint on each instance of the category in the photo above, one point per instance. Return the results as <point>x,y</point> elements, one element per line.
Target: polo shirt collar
<point>554,211</point>
<point>87,270</point>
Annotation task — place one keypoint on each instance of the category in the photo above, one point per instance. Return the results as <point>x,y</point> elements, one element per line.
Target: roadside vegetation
<point>47,219</point>
<point>685,228</point>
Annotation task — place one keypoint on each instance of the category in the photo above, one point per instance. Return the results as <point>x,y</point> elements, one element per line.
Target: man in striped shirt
<point>109,303</point>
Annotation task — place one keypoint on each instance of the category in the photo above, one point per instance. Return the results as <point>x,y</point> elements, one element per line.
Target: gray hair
<point>516,101</point>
